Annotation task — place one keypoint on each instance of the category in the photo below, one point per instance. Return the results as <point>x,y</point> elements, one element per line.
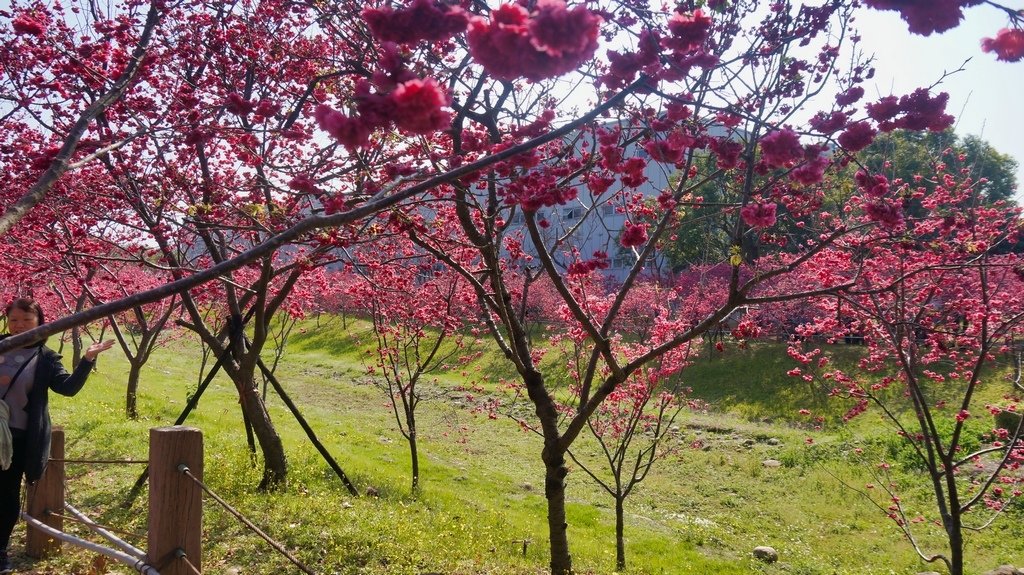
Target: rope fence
<point>173,537</point>
<point>181,555</point>
<point>280,548</point>
<point>137,563</point>
<point>103,461</point>
<point>107,532</point>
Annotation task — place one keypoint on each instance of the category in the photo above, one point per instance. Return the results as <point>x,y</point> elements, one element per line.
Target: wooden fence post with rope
<point>175,501</point>
<point>46,501</point>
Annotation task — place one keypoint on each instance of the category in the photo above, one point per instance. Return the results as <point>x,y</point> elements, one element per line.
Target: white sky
<point>985,97</point>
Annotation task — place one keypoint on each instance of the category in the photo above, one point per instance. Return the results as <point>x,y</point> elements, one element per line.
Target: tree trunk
<point>76,346</point>
<point>131,408</point>
<point>620,541</point>
<point>554,489</point>
<point>955,531</point>
<point>410,421</point>
<point>275,465</point>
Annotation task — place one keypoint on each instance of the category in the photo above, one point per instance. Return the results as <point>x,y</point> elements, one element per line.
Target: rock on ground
<point>766,554</point>
<point>1006,570</point>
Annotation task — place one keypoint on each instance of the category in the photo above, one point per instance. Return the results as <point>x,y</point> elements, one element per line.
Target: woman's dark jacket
<point>50,374</point>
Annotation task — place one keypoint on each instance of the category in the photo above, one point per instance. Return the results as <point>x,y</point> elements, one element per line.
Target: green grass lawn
<point>701,511</point>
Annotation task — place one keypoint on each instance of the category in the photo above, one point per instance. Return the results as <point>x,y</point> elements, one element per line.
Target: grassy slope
<point>700,512</point>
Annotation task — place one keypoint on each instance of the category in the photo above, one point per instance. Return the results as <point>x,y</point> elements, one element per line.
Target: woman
<point>26,376</point>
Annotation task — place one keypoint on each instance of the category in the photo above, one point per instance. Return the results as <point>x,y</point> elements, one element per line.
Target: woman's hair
<point>26,304</point>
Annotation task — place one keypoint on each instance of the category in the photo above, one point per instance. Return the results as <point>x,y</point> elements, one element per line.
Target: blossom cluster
<point>583,267</point>
<point>919,112</point>
<point>926,16</point>
<point>547,42</point>
<point>1008,45</point>
<point>422,20</point>
<point>759,215</point>
<point>394,98</point>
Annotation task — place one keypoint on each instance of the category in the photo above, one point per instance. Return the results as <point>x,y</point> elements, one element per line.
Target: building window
<point>573,213</point>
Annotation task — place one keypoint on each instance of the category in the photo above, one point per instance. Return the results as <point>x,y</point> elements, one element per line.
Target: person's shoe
<point>5,563</point>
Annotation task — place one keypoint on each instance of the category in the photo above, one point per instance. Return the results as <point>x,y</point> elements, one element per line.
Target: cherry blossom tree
<point>936,305</point>
<point>140,331</point>
<point>418,314</point>
<point>632,424</point>
<point>671,123</point>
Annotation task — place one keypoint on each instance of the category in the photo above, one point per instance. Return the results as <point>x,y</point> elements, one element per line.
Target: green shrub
<point>900,450</point>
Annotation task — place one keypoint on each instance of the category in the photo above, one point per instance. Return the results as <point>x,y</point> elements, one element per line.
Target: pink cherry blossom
<point>759,215</point>
<point>633,235</point>
<point>857,136</point>
<point>548,43</point>
<point>1008,45</point>
<point>781,148</point>
<point>850,96</point>
<point>926,16</point>
<point>688,31</point>
<point>350,132</point>
<point>421,20</point>
<point>25,24</point>
<point>418,106</point>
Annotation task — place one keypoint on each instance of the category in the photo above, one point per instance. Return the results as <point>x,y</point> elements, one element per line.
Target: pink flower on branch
<point>850,96</point>
<point>886,213</point>
<point>669,150</point>
<point>549,42</point>
<point>25,24</point>
<point>688,31</point>
<point>558,32</point>
<point>238,105</point>
<point>418,106</point>
<point>919,110</point>
<point>926,16</point>
<point>759,215</point>
<point>633,235</point>
<point>781,148</point>
<point>828,123</point>
<point>303,183</point>
<point>1008,45</point>
<point>857,136</point>
<point>350,132</point>
<point>421,20</point>
<point>885,109</point>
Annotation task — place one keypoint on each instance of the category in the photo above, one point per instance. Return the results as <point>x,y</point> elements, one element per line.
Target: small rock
<point>372,491</point>
<point>346,505</point>
<point>773,441</point>
<point>233,571</point>
<point>1005,570</point>
<point>748,443</point>
<point>766,554</point>
<point>771,463</point>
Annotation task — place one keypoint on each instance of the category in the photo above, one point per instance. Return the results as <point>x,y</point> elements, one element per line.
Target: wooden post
<point>175,500</point>
<point>45,496</point>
